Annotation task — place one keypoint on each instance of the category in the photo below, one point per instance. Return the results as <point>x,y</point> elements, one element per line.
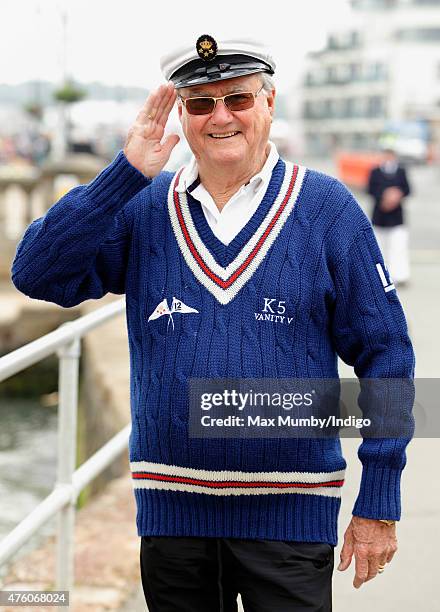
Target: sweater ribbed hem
<point>379,495</point>
<point>119,180</point>
<point>299,518</point>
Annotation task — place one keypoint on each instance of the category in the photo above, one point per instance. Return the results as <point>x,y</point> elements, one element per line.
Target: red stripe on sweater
<point>232,483</point>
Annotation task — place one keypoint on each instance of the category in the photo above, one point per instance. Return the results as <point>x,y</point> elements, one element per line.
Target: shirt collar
<point>390,167</point>
<point>189,178</point>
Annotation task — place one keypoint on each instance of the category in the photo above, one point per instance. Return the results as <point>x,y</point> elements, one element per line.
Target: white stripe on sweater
<point>223,477</point>
<point>189,488</point>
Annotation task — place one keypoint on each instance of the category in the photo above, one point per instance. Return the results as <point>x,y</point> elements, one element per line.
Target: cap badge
<point>206,47</point>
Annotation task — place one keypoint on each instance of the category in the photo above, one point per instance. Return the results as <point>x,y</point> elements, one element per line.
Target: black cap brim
<point>199,72</point>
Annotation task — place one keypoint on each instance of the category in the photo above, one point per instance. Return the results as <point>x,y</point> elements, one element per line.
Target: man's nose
<point>221,113</point>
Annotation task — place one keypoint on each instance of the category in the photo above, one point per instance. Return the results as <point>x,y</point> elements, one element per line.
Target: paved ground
<point>106,556</point>
<point>409,583</point>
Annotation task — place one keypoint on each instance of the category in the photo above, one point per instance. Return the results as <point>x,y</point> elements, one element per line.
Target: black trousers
<point>189,574</point>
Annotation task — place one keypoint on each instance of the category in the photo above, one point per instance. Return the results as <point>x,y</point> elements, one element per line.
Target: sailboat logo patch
<point>177,306</point>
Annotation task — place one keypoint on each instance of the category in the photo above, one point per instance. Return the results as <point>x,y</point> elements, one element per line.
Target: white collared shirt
<point>228,222</point>
<point>390,167</point>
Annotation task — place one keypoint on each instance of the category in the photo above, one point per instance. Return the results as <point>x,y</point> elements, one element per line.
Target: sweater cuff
<point>119,181</point>
<point>379,494</point>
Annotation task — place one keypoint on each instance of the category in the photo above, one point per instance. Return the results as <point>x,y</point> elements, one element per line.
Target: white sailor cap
<point>207,61</point>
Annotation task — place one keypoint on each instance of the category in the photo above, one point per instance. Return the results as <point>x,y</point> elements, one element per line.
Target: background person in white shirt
<point>388,184</point>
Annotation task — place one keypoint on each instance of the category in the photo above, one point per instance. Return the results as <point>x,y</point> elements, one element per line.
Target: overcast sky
<point>120,42</point>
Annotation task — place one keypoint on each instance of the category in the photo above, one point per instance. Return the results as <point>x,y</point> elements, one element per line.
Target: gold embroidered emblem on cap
<point>206,47</point>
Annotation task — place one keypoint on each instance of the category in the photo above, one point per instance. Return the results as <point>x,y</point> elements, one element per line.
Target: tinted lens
<point>239,101</point>
<point>200,106</point>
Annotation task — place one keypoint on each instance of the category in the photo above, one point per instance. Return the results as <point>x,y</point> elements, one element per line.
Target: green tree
<point>69,93</point>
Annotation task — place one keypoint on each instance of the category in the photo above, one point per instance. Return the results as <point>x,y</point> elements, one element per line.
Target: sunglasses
<point>205,105</point>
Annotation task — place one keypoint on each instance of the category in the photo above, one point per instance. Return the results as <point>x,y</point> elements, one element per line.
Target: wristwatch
<point>387,522</point>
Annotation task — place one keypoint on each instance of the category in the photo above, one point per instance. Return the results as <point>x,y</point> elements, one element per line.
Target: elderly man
<point>240,265</point>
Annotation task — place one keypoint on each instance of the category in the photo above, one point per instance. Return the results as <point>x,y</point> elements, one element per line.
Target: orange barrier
<point>354,168</point>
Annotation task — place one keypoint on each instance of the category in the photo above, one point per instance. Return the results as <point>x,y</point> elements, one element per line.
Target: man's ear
<point>179,109</point>
<point>271,101</point>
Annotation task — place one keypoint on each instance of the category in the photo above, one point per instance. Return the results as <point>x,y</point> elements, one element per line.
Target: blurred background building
<point>376,82</point>
<point>373,82</point>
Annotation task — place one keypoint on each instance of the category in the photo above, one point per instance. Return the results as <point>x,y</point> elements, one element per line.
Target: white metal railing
<point>65,341</point>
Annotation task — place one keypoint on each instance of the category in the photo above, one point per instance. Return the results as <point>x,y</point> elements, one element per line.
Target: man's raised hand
<point>144,148</point>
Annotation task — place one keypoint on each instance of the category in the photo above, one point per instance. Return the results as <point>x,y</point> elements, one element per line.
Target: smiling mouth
<point>225,135</point>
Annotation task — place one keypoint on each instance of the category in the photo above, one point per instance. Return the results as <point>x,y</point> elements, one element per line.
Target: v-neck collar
<point>225,254</point>
<point>225,269</point>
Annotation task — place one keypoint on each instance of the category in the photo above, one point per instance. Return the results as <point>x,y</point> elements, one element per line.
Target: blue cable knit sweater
<point>308,246</point>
